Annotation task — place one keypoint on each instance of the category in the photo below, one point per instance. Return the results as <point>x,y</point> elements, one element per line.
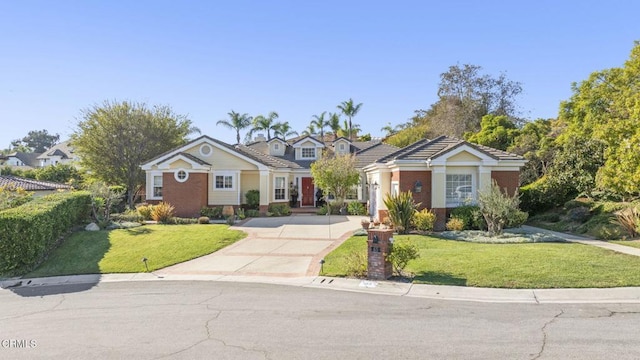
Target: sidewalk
<point>628,295</point>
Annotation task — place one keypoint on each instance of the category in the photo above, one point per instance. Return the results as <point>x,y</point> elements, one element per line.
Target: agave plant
<point>401,208</point>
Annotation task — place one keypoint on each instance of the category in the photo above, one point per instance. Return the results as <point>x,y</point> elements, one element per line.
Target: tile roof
<point>30,184</point>
<point>372,153</point>
<point>425,149</point>
<point>29,159</point>
<point>188,156</point>
<point>63,149</point>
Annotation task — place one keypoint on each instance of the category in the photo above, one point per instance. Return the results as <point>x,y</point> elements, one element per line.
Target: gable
<point>463,156</point>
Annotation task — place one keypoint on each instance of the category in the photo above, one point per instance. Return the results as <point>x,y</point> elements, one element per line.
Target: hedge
<point>29,231</point>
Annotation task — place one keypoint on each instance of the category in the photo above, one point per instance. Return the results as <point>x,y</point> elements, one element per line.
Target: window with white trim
<point>157,185</point>
<point>308,153</point>
<point>276,146</point>
<point>223,182</point>
<point>459,189</point>
<point>181,175</point>
<point>279,188</point>
<point>395,188</point>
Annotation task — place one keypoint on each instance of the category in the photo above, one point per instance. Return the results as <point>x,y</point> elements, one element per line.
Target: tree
<point>605,108</point>
<point>336,175</point>
<point>389,130</point>
<point>37,141</point>
<point>262,123</point>
<point>236,122</point>
<point>60,173</point>
<point>495,131</point>
<point>500,210</point>
<point>349,110</point>
<point>319,123</point>
<point>576,164</point>
<point>536,143</point>
<point>115,138</point>
<point>334,124</point>
<point>344,131</point>
<point>309,130</point>
<point>283,130</point>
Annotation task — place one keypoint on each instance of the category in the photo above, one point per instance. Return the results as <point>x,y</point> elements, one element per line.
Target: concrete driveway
<point>289,246</point>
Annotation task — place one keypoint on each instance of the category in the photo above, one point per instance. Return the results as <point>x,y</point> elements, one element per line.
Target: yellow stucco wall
<point>462,156</point>
<point>220,159</point>
<point>248,181</point>
<point>226,196</point>
<point>179,164</point>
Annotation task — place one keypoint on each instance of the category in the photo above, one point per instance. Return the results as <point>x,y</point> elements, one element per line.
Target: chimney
<point>260,137</point>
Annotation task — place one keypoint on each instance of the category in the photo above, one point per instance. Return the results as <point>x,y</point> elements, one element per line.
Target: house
<point>441,173</point>
<point>209,172</point>
<point>19,160</point>
<point>62,153</point>
<point>39,188</point>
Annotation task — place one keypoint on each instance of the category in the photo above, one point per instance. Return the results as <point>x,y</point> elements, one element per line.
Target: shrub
<point>30,231</point>
<point>11,197</point>
<point>424,220</point>
<point>182,221</point>
<point>579,214</point>
<point>145,210</point>
<point>231,220</point>
<point>609,231</point>
<point>516,219</point>
<point>279,209</point>
<point>470,216</point>
<point>253,213</point>
<point>401,208</point>
<point>356,264</point>
<point>548,217</point>
<point>578,202</point>
<point>499,209</point>
<point>629,219</point>
<point>356,208</point>
<point>541,195</point>
<point>455,224</point>
<point>128,216</point>
<point>401,254</point>
<point>322,211</point>
<point>253,199</point>
<point>212,212</point>
<point>241,214</point>
<point>162,213</point>
<point>103,199</point>
<point>203,220</point>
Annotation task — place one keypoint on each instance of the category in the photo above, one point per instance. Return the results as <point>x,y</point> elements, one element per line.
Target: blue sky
<point>299,58</point>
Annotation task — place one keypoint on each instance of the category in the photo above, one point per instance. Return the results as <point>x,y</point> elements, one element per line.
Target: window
<point>181,175</point>
<point>341,147</point>
<point>280,188</point>
<point>276,146</point>
<point>352,194</point>
<point>157,186</point>
<point>205,150</point>
<point>308,153</point>
<point>459,188</point>
<point>395,188</point>
<point>224,182</point>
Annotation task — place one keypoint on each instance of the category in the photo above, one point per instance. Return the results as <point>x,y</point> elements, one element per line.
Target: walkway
<point>289,246</point>
<point>587,241</point>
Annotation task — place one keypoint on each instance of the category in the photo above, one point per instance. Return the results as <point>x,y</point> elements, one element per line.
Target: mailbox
<point>379,245</point>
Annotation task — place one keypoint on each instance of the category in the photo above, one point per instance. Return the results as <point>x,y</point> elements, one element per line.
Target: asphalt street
<point>228,320</point>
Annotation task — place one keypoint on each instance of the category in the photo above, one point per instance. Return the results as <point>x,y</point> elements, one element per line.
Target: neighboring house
<point>442,173</point>
<point>209,172</point>
<point>39,188</point>
<point>62,153</point>
<point>20,160</point>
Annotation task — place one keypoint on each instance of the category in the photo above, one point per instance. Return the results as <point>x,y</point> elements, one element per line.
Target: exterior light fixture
<point>428,162</point>
<point>417,187</point>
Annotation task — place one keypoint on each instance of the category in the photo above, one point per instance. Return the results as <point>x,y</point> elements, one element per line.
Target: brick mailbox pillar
<point>379,246</point>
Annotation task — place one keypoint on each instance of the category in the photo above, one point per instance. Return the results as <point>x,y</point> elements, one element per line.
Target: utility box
<point>380,243</point>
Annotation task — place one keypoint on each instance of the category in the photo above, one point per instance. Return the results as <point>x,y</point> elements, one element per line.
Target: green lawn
<point>633,243</point>
<point>121,251</point>
<point>533,265</point>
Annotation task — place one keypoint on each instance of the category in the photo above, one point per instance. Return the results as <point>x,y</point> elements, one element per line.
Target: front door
<point>308,195</point>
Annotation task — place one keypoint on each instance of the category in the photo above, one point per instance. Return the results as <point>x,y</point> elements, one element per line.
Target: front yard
<point>531,265</point>
<point>121,251</point>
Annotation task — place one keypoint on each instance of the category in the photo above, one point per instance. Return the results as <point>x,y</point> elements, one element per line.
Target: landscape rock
<point>92,227</point>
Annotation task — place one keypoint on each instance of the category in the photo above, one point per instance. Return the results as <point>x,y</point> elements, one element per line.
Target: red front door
<point>308,195</point>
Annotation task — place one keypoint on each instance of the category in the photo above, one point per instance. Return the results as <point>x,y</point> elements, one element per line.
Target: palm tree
<point>391,130</point>
<point>344,130</point>
<point>309,131</point>
<point>283,130</point>
<point>334,124</point>
<point>264,123</point>
<point>319,123</point>
<point>350,111</point>
<point>237,122</point>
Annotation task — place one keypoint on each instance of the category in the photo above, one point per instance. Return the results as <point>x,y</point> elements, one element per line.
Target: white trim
<point>166,165</point>
<point>297,144</point>
<point>152,175</point>
<point>234,180</point>
<point>286,187</point>
<point>203,146</point>
<point>175,175</point>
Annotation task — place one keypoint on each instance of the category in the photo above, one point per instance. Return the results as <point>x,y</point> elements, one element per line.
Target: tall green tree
<point>606,108</point>
<point>113,139</point>
<point>334,124</point>
<point>236,122</point>
<point>536,143</point>
<point>320,123</point>
<point>336,175</point>
<point>283,130</point>
<point>349,109</point>
<point>37,141</point>
<point>495,131</point>
<point>264,123</point>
